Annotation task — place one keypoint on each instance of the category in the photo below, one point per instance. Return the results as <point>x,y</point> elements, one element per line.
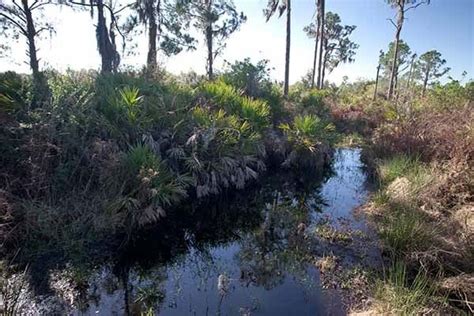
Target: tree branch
<point>123,8</point>
<point>416,5</point>
<point>44,28</point>
<point>13,12</point>
<point>393,23</point>
<point>14,22</point>
<point>40,5</point>
<point>18,6</point>
<point>33,4</point>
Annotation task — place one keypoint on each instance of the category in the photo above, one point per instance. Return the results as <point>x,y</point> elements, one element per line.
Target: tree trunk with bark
<point>321,35</point>
<point>315,60</point>
<point>425,81</point>
<point>410,73</point>
<point>151,59</point>
<point>30,34</point>
<point>287,53</point>
<point>209,39</point>
<point>393,73</point>
<point>323,72</point>
<point>40,85</point>
<point>376,82</point>
<point>107,51</point>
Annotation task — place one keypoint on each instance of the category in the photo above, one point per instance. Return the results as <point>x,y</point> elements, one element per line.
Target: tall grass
<point>399,166</point>
<point>401,295</point>
<point>405,230</point>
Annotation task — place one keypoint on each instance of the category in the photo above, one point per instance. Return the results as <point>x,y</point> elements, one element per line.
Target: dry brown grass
<point>439,186</point>
<point>431,135</point>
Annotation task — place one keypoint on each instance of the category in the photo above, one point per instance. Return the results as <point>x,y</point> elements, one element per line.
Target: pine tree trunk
<point>107,51</point>
<point>321,40</point>
<point>393,73</point>
<point>288,42</point>
<point>152,39</point>
<point>315,60</point>
<point>102,34</point>
<point>323,72</point>
<point>210,53</point>
<point>425,82</point>
<point>376,82</point>
<point>40,85</point>
<point>410,73</point>
<point>31,33</point>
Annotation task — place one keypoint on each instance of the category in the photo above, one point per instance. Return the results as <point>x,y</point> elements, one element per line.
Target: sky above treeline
<point>444,25</point>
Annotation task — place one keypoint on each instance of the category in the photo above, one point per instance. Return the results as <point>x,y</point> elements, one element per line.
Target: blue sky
<point>445,25</point>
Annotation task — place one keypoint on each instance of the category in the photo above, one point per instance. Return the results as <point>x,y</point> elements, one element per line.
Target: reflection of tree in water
<point>279,246</point>
<point>142,289</point>
<point>272,246</point>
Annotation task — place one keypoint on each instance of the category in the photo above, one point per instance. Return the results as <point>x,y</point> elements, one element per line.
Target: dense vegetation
<point>90,158</point>
<point>421,152</point>
<point>132,149</point>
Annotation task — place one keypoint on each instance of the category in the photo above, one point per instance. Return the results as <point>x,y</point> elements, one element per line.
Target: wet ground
<point>286,248</point>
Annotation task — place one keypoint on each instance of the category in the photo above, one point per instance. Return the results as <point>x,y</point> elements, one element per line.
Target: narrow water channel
<point>255,256</point>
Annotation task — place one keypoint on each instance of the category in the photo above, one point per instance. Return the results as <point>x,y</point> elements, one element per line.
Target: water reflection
<point>253,256</point>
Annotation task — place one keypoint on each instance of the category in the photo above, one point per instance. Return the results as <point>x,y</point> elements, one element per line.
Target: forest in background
<point>88,158</point>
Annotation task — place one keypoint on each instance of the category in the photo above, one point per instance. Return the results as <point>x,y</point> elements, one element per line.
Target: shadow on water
<point>251,254</point>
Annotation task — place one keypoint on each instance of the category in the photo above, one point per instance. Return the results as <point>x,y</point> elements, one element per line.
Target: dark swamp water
<point>256,255</point>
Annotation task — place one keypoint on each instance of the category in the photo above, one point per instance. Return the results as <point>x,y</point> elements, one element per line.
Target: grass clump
<point>401,295</point>
<point>399,166</point>
<point>405,230</point>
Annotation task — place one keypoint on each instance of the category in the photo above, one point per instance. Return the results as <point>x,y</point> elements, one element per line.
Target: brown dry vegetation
<point>422,155</point>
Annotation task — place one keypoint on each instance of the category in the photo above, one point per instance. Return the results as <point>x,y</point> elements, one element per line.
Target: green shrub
<point>71,89</point>
<point>313,100</point>
<point>447,96</point>
<point>223,96</point>
<point>307,132</point>
<point>13,92</point>
<point>252,79</point>
<point>148,187</point>
<point>224,152</point>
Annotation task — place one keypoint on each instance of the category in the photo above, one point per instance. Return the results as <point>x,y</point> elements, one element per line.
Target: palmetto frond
<point>273,6</point>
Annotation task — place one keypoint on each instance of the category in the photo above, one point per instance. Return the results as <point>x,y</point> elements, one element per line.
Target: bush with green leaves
<point>252,79</point>
<point>450,95</point>
<point>308,137</point>
<point>313,102</point>
<point>221,95</point>
<point>13,92</point>
<point>134,147</point>
<point>146,187</point>
<point>308,132</point>
<point>224,151</point>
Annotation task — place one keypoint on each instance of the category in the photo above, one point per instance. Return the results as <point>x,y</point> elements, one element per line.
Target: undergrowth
<point>109,155</point>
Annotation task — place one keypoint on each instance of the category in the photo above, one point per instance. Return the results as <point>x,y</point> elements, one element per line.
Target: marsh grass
<point>404,229</point>
<point>401,294</point>
<point>400,166</point>
<point>380,198</point>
